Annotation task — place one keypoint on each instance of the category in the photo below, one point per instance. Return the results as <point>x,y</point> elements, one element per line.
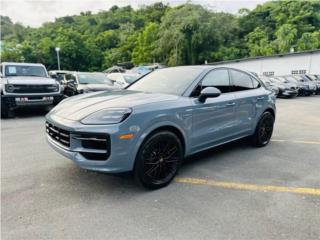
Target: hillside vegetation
<point>186,34</point>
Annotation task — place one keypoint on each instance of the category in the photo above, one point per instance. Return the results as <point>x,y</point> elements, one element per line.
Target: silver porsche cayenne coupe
<point>152,125</point>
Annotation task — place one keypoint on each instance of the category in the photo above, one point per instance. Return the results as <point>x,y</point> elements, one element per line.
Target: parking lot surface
<point>231,192</point>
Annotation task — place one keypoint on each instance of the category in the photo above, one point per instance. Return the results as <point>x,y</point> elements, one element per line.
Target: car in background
<point>306,87</point>
<point>316,80</point>
<point>271,84</point>
<point>115,69</point>
<point>123,79</point>
<point>145,69</point>
<point>287,88</point>
<point>85,82</point>
<point>59,75</point>
<point>169,114</point>
<point>26,85</point>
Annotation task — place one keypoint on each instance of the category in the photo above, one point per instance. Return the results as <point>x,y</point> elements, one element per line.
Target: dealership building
<point>307,62</point>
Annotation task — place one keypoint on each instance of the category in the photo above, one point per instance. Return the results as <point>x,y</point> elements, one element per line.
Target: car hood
<point>290,85</point>
<point>78,107</point>
<point>30,80</point>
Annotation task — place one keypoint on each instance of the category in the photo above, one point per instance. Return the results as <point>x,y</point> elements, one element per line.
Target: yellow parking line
<point>296,141</point>
<point>251,187</point>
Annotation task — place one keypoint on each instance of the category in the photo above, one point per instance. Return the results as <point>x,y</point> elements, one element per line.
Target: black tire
<point>264,130</point>
<point>4,109</point>
<point>158,160</point>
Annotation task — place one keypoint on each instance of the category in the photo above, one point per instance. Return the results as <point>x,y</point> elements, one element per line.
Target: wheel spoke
<point>151,170</point>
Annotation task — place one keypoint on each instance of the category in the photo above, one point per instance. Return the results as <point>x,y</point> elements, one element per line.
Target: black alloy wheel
<point>264,130</point>
<point>158,160</point>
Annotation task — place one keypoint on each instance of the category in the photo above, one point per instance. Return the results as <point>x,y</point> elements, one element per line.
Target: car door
<point>250,97</point>
<point>213,121</point>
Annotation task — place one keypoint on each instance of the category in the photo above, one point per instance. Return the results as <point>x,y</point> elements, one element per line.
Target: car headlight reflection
<point>107,116</point>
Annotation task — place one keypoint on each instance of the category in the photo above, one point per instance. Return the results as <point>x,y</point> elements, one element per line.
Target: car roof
<point>22,64</point>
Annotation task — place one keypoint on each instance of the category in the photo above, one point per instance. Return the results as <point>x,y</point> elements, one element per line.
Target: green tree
<point>309,41</point>
<point>145,50</point>
<point>258,43</point>
<point>286,37</point>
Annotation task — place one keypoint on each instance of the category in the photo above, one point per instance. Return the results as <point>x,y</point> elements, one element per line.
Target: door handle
<point>260,98</point>
<point>230,104</point>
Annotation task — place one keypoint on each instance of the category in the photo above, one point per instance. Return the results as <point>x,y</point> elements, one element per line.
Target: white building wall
<point>284,65</point>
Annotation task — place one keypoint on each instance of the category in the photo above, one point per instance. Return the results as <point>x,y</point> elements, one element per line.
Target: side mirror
<point>209,92</point>
<point>1,75</point>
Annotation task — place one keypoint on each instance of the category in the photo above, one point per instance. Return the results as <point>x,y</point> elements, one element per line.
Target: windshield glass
<point>94,78</point>
<point>21,70</point>
<point>130,78</point>
<point>168,80</point>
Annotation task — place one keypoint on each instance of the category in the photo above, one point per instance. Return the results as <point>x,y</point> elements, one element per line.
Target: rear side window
<point>217,78</point>
<point>243,81</point>
<point>255,82</point>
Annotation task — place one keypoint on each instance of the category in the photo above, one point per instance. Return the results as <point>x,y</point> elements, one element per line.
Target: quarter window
<point>256,84</point>
<point>243,81</point>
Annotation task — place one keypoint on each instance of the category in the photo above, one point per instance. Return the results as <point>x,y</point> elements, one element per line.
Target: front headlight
<point>107,116</point>
<point>10,88</point>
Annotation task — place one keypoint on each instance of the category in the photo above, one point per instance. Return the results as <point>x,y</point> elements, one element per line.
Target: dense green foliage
<point>186,34</point>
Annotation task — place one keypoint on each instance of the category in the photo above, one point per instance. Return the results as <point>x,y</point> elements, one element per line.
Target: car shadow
<point>214,155</point>
<point>28,112</point>
<point>106,184</point>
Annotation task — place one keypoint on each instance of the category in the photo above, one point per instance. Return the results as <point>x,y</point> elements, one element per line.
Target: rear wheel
<point>158,160</point>
<point>264,130</point>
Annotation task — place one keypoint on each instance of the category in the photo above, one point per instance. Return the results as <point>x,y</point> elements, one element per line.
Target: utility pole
<point>58,57</point>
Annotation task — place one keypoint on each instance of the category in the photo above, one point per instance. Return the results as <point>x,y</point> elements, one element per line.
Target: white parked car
<point>26,85</point>
<point>123,79</point>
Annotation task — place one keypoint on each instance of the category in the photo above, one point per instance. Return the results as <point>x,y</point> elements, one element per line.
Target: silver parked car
<point>123,79</point>
<point>171,113</point>
<point>85,82</point>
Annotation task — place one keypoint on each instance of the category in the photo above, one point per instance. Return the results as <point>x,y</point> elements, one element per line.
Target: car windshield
<point>168,80</point>
<point>94,78</point>
<point>25,70</point>
<point>130,78</point>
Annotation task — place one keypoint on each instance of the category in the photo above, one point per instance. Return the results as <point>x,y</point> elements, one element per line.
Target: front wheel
<point>5,110</point>
<point>158,160</point>
<point>264,130</point>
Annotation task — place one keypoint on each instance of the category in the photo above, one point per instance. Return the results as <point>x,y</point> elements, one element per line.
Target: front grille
<point>21,88</point>
<point>60,135</point>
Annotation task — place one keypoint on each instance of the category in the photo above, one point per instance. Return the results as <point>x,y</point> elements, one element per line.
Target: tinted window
<point>242,81</point>
<point>168,80</point>
<point>218,79</point>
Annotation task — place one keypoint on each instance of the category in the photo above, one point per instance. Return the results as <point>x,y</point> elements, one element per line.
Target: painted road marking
<point>296,141</point>
<point>251,187</point>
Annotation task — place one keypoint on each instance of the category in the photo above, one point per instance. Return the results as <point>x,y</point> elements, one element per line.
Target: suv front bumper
<point>31,100</point>
<point>119,153</point>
